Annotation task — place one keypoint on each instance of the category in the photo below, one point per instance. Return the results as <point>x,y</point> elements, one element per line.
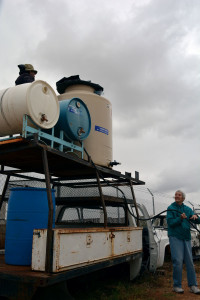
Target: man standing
<point>179,234</point>
<point>26,74</point>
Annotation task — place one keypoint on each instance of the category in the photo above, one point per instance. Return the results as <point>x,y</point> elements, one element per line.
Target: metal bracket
<point>30,128</point>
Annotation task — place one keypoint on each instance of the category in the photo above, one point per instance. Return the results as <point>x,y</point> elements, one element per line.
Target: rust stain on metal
<point>57,247</point>
<point>94,261</point>
<point>128,237</point>
<point>11,141</point>
<point>95,229</point>
<point>112,237</point>
<point>89,240</point>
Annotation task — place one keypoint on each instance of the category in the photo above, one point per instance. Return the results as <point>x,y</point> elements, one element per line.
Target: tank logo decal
<point>101,129</point>
<point>74,110</point>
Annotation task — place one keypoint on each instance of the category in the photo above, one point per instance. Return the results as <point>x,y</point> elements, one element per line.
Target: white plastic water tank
<point>99,142</point>
<point>36,99</point>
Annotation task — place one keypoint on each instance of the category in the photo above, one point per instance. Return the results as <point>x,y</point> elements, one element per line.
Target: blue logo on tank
<point>101,129</point>
<point>74,110</point>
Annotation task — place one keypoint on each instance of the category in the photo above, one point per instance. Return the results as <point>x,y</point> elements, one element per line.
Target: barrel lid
<point>65,82</point>
<point>42,103</point>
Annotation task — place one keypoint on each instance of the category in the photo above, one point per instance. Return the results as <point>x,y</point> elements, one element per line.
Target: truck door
<point>150,249</point>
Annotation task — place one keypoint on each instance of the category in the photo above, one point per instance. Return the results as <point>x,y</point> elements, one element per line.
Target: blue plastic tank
<point>27,210</point>
<point>74,120</point>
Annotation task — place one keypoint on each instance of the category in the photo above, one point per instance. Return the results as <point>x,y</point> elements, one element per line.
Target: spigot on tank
<point>80,131</point>
<point>114,163</point>
<point>44,118</point>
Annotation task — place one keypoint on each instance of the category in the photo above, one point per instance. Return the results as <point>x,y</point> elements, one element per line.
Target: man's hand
<point>183,216</point>
<point>194,217</point>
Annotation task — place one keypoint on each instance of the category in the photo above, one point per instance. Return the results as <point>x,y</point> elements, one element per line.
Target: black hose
<point>140,219</point>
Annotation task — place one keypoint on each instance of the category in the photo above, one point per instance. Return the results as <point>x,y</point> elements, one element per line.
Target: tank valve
<point>114,163</point>
<point>44,118</point>
<point>80,131</point>
<point>78,104</point>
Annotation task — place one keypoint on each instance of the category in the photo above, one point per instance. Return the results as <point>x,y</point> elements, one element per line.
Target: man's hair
<point>183,194</point>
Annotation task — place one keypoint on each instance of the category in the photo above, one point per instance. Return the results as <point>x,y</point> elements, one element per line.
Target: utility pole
<point>152,200</point>
<point>191,204</point>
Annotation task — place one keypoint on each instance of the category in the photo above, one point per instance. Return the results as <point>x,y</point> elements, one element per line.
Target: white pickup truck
<point>155,239</point>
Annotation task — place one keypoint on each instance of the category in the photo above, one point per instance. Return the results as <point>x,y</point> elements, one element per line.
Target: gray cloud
<point>146,56</point>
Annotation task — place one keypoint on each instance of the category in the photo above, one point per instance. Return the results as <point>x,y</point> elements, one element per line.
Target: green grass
<point>113,284</point>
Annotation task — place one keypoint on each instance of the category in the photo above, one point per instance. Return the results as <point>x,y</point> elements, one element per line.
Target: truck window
<point>71,214</point>
<point>142,223</point>
<point>90,215</point>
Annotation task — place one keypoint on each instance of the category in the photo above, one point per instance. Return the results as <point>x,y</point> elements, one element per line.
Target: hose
<point>125,200</point>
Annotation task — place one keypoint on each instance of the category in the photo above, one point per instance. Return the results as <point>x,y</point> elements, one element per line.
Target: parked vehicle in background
<point>196,237</point>
<point>161,235</point>
<point>155,239</point>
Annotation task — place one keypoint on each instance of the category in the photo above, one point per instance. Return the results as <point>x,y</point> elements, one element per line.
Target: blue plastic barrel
<point>27,210</point>
<point>74,120</point>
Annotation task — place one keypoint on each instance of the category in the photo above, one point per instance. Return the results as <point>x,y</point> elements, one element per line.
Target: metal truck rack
<point>18,158</point>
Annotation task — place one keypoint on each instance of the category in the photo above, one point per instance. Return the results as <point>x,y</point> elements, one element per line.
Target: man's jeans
<point>182,251</point>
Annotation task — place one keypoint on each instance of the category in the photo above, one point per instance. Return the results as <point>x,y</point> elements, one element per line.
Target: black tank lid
<point>63,83</point>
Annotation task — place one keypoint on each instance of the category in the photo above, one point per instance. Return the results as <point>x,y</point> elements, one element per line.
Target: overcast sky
<point>146,55</point>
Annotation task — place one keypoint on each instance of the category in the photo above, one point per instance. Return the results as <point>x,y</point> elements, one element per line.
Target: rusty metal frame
<point>102,200</point>
<point>135,203</point>
<point>126,214</point>
<point>49,244</point>
<point>4,191</point>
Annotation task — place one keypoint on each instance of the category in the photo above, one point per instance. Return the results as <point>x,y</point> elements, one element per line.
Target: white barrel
<point>99,142</point>
<point>36,99</point>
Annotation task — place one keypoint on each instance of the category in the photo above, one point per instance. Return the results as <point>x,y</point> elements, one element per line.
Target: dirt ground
<point>109,285</point>
<point>165,283</point>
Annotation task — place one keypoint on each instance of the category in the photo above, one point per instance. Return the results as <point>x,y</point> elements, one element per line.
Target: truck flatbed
<point>25,274</point>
